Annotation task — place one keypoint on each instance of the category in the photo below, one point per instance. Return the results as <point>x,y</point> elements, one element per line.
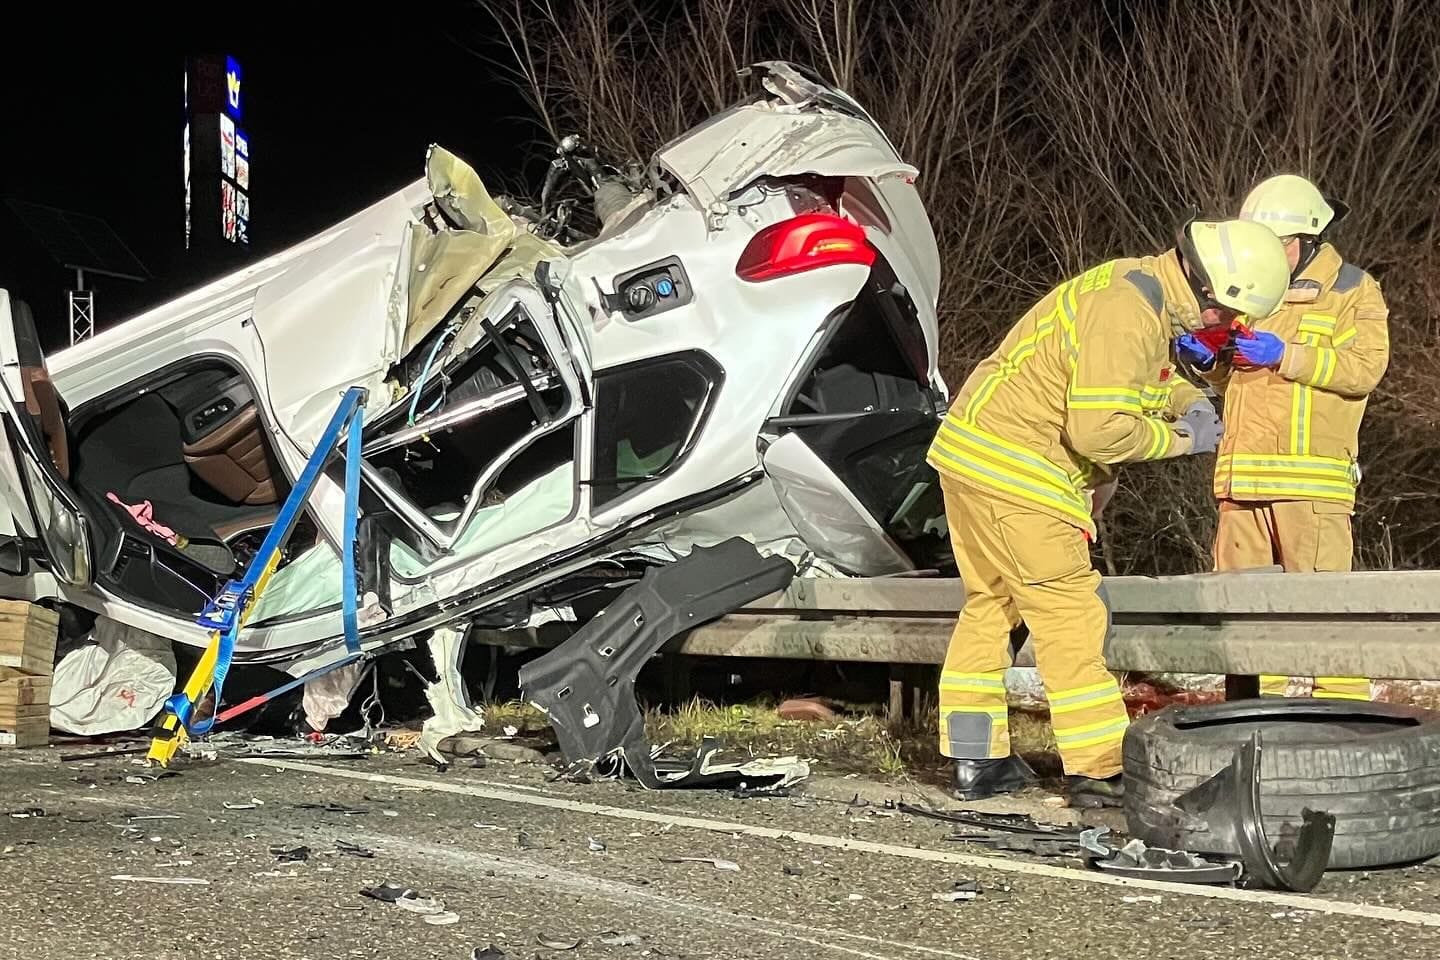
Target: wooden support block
<point>31,732</point>
<point>18,713</point>
<point>27,637</point>
<point>896,711</point>
<point>21,689</point>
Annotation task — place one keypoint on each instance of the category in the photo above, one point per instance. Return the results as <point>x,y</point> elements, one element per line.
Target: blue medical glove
<point>1193,351</point>
<point>1261,350</point>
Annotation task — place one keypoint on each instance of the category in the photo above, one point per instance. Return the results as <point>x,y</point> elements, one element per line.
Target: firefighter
<point>1083,381</point>
<point>1294,395</point>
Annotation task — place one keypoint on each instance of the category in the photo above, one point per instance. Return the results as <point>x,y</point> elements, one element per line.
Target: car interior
<point>866,410</point>
<point>179,482</point>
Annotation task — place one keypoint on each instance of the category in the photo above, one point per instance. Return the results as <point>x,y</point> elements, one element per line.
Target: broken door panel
<point>494,389</point>
<point>35,451</point>
<point>587,684</point>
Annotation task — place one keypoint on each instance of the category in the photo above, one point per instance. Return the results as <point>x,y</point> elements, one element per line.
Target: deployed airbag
<point>312,580</point>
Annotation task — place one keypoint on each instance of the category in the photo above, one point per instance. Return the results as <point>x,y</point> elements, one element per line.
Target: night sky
<point>339,110</point>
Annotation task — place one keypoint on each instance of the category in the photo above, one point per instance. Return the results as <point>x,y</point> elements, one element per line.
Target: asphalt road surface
<point>530,867</point>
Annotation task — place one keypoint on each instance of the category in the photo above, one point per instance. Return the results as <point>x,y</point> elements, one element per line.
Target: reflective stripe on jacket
<point>1293,433</point>
<point>1084,380</point>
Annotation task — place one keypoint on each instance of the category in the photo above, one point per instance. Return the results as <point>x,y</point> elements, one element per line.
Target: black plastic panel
<point>587,684</point>
<point>652,277</point>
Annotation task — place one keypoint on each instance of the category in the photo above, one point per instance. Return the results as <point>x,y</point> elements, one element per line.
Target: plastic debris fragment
<point>715,862</point>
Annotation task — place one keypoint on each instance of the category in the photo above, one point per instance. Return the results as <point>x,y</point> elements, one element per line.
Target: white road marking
<point>1292,901</point>
<point>684,911</point>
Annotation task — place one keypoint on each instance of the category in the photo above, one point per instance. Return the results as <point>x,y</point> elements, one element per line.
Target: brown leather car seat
<point>233,460</point>
<point>42,401</point>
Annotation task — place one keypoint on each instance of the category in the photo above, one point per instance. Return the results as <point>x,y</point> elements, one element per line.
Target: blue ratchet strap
<point>349,589</point>
<point>226,612</point>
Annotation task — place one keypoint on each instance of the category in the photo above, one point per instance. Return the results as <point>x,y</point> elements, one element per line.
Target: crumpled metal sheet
<point>1230,803</point>
<point>1137,860</point>
<point>777,141</point>
<point>752,777</point>
<point>482,247</point>
<point>462,197</point>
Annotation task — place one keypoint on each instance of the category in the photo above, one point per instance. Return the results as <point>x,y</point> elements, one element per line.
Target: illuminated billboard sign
<point>242,160</point>
<point>185,160</point>
<point>216,161</point>
<point>227,148</point>
<point>232,88</point>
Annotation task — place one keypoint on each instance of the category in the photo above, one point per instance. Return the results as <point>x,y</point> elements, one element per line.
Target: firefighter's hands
<point>1260,349</point>
<point>1202,425</point>
<point>1194,351</point>
<point>1100,495</point>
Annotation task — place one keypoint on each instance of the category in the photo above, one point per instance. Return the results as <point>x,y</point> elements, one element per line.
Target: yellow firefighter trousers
<point>1301,536</point>
<point>1019,564</point>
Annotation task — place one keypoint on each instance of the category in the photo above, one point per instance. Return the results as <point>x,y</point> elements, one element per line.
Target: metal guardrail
<point>1384,625</point>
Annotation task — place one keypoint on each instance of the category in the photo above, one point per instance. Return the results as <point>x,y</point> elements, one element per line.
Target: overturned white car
<point>745,343</point>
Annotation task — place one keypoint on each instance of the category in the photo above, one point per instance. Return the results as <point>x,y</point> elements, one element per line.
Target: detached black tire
<point>1375,766</point>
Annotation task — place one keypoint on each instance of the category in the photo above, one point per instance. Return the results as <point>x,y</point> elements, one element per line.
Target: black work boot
<point>978,779</point>
<point>1089,793</point>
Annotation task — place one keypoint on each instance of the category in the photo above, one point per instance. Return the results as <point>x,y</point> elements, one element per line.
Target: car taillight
<point>801,243</point>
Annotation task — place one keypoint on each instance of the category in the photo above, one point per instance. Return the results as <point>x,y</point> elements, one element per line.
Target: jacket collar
<point>1181,309</point>
<point>1318,276</point>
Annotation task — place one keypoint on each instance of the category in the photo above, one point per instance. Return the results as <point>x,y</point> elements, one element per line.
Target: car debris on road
<point>648,463</point>
<point>1137,860</point>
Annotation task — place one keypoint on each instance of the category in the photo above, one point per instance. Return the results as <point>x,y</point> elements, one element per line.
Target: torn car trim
<point>1230,802</point>
<point>587,684</point>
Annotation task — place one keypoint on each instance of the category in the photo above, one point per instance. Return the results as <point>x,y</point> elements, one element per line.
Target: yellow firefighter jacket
<point>1292,433</point>
<point>1084,380</point>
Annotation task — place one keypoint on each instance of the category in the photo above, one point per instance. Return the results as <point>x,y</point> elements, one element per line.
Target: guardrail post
<point>1241,687</point>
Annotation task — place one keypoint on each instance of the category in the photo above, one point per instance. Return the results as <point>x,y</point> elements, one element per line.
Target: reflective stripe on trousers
<point>1302,536</point>
<point>1018,563</point>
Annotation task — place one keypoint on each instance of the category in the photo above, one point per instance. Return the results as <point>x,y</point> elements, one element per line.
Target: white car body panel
<point>334,318</point>
<point>827,514</point>
<point>782,314</point>
<point>775,141</point>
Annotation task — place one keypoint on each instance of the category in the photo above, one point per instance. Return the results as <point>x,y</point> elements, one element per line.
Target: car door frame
<point>574,376</point>
<point>22,455</point>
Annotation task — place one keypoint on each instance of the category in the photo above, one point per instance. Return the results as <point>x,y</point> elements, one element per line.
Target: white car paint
<point>827,514</point>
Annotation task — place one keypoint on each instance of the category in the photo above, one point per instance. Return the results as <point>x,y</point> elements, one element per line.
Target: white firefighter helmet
<point>1290,206</point>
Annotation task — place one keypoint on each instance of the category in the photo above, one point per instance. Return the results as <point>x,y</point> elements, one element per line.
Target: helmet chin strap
<point>1185,317</point>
